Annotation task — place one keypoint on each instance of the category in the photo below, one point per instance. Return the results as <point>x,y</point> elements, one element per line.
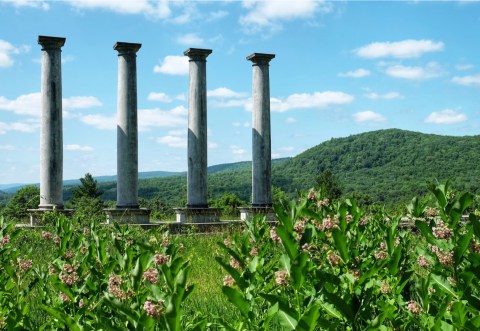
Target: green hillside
<point>390,166</point>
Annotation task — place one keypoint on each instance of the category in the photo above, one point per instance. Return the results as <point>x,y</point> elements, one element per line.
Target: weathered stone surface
<point>127,127</point>
<point>51,132</point>
<point>261,133</point>
<point>197,129</point>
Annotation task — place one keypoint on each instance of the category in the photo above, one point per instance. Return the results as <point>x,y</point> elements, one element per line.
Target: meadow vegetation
<point>326,265</point>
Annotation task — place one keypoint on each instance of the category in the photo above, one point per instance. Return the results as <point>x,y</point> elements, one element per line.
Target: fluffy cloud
<point>161,97</point>
<point>290,120</point>
<point>446,116</point>
<point>306,101</point>
<point>467,80</point>
<point>237,150</point>
<point>359,73</point>
<point>78,148</point>
<point>387,96</point>
<point>148,118</point>
<point>269,14</point>
<point>175,139</point>
<point>29,3</point>
<point>18,126</point>
<point>173,65</point>
<point>401,49</point>
<point>30,104</point>
<point>368,116</point>
<point>223,92</point>
<point>431,70</point>
<point>7,51</point>
<point>155,9</point>
<point>101,122</point>
<point>6,147</point>
<point>190,39</point>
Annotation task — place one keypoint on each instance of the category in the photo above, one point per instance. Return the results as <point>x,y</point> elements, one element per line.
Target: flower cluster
<point>64,297</point>
<point>441,231</point>
<point>161,258</point>
<point>323,203</point>
<point>5,240</point>
<point>431,212</point>
<point>24,265</point>
<point>423,262</point>
<point>114,283</point>
<point>254,251</point>
<point>328,223</point>
<point>153,310</point>
<point>444,258</point>
<point>274,236</point>
<point>235,264</point>
<point>228,281</point>
<point>414,307</point>
<point>47,235</point>
<point>381,254</point>
<point>385,288</point>
<point>312,195</point>
<point>333,258</point>
<point>281,277</point>
<point>475,247</point>
<point>69,274</point>
<point>151,275</point>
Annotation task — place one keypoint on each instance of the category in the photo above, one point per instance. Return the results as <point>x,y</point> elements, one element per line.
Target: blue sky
<point>341,68</point>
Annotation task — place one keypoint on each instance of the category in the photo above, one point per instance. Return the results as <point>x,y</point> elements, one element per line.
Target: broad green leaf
<point>235,297</point>
<point>341,305</point>
<point>426,231</point>
<point>287,320</point>
<point>341,244</point>
<point>308,321</point>
<point>462,246</point>
<point>332,311</point>
<point>288,242</point>
<point>393,263</point>
<point>443,285</point>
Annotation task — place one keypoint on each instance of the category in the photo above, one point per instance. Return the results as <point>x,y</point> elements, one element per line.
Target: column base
<point>198,215</point>
<point>36,215</point>
<point>247,213</point>
<point>128,215</point>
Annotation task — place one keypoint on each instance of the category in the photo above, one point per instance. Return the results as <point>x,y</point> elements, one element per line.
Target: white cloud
<point>467,80</point>
<point>148,118</point>
<point>359,73</point>
<point>217,15</point>
<point>230,103</point>
<point>446,116</point>
<point>268,14</point>
<point>464,66</point>
<point>409,48</point>
<point>290,120</point>
<point>190,39</point>
<point>223,92</point>
<point>154,9</point>
<point>7,50</point>
<point>30,104</point>
<point>237,150</point>
<point>212,145</point>
<point>431,70</point>
<point>101,122</point>
<point>173,65</point>
<point>28,3</point>
<point>159,96</point>
<point>306,100</point>
<point>368,116</point>
<point>387,96</point>
<point>175,139</point>
<point>18,126</point>
<point>78,148</point>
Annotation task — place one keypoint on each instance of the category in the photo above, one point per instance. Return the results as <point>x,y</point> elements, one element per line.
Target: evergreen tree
<point>28,197</point>
<point>329,184</point>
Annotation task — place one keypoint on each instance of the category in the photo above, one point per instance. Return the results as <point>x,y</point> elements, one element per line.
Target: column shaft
<point>51,132</point>
<point>261,137</point>
<point>127,127</point>
<point>197,129</point>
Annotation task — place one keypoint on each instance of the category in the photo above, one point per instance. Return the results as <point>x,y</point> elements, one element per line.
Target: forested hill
<point>389,165</point>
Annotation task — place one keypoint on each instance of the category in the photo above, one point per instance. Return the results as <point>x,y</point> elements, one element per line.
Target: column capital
<point>260,58</point>
<point>197,54</point>
<point>51,42</point>
<point>125,48</point>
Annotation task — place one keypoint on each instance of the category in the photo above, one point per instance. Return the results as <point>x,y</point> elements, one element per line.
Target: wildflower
<point>5,240</point>
<point>382,246</point>
<point>153,310</point>
<point>312,195</point>
<point>254,251</point>
<point>83,250</point>
<point>57,240</point>
<point>227,242</point>
<point>300,226</point>
<point>152,240</point>
<point>165,241</point>
<point>431,212</point>
<point>452,281</point>
<point>24,265</point>
<point>355,273</point>
<point>81,303</point>
<point>47,235</point>
<point>306,247</point>
<point>51,269</point>
<point>441,231</point>
<point>445,258</point>
<point>348,218</point>
<point>431,290</point>
<point>68,255</point>
<point>475,247</point>
<point>114,282</point>
<point>333,258</point>
<point>181,248</point>
<point>323,203</point>
<point>385,288</point>
<point>423,261</point>
<point>235,264</point>
<point>228,281</point>
<point>151,275</point>
<point>64,297</point>
<point>274,236</point>
<point>86,231</point>
<point>363,221</point>
<point>381,255</point>
<point>396,242</point>
<point>329,223</point>
<point>161,258</point>
<point>414,307</point>
<point>69,275</point>
<point>281,277</point>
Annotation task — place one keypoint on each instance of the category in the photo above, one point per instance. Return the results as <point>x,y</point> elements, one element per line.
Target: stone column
<point>261,138</point>
<point>197,129</point>
<point>51,134</point>
<point>127,128</point>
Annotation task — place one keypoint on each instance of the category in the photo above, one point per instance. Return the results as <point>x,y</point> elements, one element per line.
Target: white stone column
<point>51,134</point>
<point>261,137</point>
<point>197,129</point>
<point>127,127</point>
